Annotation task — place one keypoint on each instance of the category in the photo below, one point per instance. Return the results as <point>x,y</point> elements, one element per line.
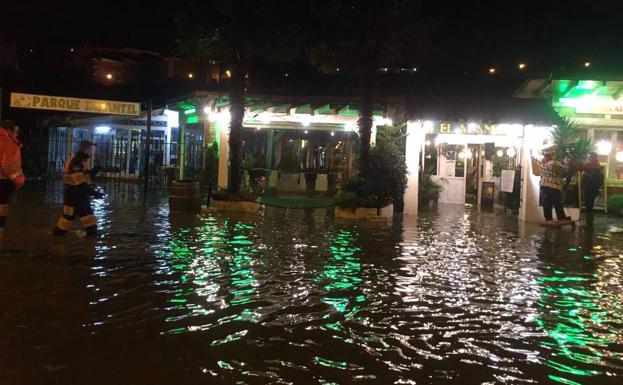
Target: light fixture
<point>604,147</point>
<point>492,70</point>
<point>428,126</point>
<point>228,73</point>
<point>521,66</point>
<point>102,130</point>
<point>109,76</point>
<point>306,131</point>
<point>619,156</point>
<point>471,127</point>
<point>265,117</point>
<point>190,75</point>
<point>306,120</point>
<point>427,143</point>
<point>207,110</point>
<point>173,118</point>
<point>461,155</point>
<point>587,64</point>
<point>510,152</point>
<point>468,153</point>
<point>499,153</point>
<point>332,133</point>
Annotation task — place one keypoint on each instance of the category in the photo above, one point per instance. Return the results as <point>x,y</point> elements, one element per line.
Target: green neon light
<point>192,119</point>
<point>191,111</point>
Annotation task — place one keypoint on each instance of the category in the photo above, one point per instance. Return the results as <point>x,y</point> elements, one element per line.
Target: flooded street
<point>294,297</point>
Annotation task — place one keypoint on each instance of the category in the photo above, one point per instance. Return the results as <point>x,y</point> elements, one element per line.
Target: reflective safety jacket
<point>76,170</point>
<point>10,158</point>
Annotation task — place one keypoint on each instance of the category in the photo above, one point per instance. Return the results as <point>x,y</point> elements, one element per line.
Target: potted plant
<point>428,189</point>
<point>370,194</point>
<point>574,145</point>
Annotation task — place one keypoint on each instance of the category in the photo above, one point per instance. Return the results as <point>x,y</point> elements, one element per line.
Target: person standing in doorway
<point>592,180</point>
<point>77,192</point>
<point>551,185</point>
<point>11,176</point>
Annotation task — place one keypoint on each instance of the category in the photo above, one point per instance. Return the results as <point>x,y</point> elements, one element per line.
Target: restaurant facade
<point>596,106</point>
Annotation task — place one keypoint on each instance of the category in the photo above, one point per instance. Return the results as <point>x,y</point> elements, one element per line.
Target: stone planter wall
<point>235,206</point>
<point>365,213</point>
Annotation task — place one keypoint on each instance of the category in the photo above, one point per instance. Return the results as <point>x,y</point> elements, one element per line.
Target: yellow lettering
<point>35,101</point>
<point>53,102</point>
<point>45,102</point>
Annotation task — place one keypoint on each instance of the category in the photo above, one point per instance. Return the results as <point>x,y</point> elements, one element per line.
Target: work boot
<point>59,232</point>
<point>91,232</point>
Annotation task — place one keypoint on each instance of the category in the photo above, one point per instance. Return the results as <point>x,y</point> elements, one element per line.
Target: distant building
<point>115,66</point>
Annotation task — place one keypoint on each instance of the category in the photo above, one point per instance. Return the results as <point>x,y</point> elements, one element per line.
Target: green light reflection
<point>572,314</point>
<point>341,274</point>
<point>204,256</point>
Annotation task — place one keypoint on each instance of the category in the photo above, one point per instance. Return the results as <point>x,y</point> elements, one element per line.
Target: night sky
<point>472,34</point>
<point>469,37</point>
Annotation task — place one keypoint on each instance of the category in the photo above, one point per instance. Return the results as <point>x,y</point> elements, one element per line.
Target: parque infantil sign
<point>62,103</point>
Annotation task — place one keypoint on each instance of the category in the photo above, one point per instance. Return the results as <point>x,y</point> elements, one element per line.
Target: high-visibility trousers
<point>76,203</point>
<point>7,188</point>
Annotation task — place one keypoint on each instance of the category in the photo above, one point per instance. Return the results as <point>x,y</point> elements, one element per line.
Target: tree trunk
<point>236,109</point>
<point>365,118</point>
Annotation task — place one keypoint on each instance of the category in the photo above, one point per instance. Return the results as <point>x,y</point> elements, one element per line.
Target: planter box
<point>235,206</point>
<point>366,213</point>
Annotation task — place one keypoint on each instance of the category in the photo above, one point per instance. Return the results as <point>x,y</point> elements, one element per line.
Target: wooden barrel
<point>185,195</point>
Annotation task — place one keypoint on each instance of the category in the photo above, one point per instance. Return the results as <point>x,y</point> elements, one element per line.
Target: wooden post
<point>181,151</point>
<point>147,144</point>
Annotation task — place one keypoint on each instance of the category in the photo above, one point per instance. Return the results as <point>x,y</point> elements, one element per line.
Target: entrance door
<point>451,176</point>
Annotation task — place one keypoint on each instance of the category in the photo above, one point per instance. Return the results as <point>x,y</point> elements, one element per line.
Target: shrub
<point>615,204</point>
<point>385,176</point>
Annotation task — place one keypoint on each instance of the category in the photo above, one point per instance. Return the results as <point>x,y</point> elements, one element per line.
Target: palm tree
<point>364,38</point>
<point>570,140</point>
<point>237,32</point>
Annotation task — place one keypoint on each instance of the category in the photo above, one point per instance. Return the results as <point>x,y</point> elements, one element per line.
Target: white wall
<point>533,139</point>
<point>415,142</point>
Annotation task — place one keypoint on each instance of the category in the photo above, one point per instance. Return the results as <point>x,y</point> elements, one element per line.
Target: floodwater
<point>455,296</point>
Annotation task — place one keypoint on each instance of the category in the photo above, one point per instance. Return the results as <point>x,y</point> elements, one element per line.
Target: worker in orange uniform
<point>11,176</point>
<point>77,192</point>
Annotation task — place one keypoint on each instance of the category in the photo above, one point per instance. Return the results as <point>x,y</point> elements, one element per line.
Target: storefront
<point>296,146</point>
<point>597,107</point>
<point>477,151</point>
<point>120,142</point>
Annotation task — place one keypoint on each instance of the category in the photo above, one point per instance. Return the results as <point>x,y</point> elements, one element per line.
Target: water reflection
<point>290,296</point>
<point>340,275</point>
<point>579,312</point>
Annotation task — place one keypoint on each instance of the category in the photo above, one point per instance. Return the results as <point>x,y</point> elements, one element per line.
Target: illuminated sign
<point>593,105</point>
<point>62,103</point>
